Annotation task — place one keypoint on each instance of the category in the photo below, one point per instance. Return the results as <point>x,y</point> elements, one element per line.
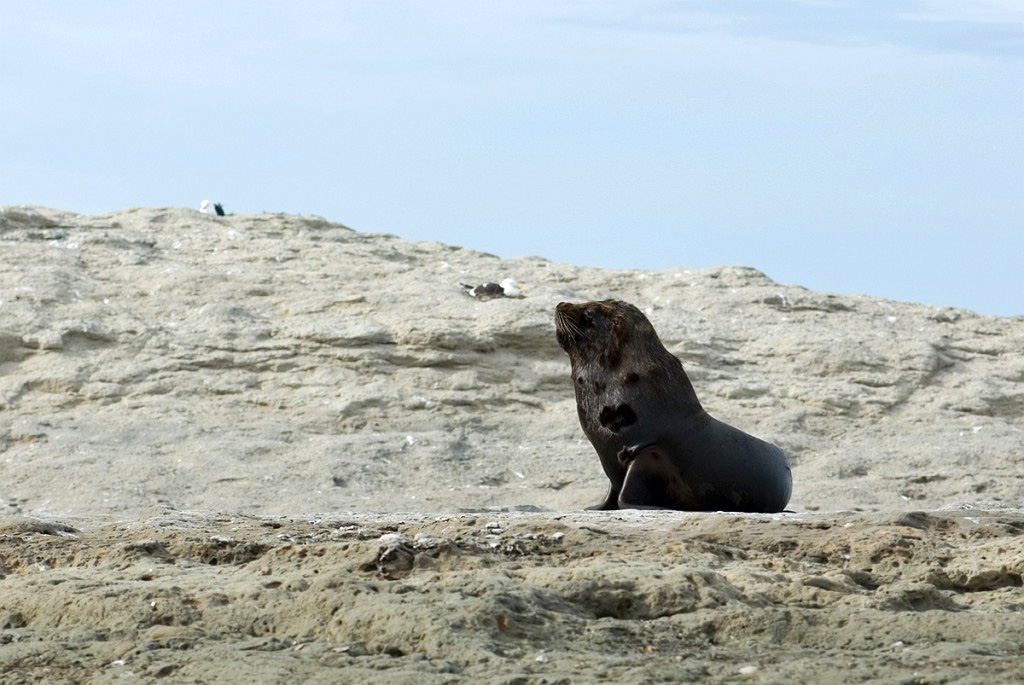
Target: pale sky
<point>871,146</point>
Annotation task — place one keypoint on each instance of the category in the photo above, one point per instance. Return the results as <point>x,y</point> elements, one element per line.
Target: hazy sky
<point>869,146</point>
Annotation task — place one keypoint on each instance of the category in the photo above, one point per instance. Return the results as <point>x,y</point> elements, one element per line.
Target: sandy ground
<point>271,449</point>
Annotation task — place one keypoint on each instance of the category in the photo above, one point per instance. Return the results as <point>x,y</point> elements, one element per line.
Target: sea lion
<point>658,446</point>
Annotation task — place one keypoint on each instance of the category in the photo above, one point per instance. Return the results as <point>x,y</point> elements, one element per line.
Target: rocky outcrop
<point>273,449</point>
<point>274,364</point>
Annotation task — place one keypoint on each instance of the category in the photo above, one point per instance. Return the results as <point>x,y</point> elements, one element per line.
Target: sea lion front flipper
<point>652,481</point>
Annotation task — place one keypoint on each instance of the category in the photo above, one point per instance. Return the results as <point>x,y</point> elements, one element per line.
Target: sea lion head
<point>611,345</point>
<point>602,332</point>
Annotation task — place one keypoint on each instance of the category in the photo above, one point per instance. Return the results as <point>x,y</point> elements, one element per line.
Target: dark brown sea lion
<point>658,446</point>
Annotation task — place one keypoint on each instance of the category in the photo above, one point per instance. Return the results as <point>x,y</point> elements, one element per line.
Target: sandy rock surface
<point>271,448</point>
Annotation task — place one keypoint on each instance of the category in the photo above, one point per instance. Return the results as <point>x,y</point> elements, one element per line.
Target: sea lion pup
<point>658,446</point>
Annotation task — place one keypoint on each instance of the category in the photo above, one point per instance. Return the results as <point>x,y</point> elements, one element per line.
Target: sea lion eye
<point>588,316</point>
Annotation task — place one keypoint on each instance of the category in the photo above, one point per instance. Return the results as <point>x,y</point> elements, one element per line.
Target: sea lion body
<point>657,445</point>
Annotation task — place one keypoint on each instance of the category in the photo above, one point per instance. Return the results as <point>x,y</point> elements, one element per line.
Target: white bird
<point>509,287</point>
<point>206,207</point>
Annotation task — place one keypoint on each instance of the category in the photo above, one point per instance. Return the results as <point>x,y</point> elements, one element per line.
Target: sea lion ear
<point>620,327</point>
<point>617,340</point>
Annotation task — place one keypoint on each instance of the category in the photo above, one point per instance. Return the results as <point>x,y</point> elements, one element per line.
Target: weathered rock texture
<point>160,361</point>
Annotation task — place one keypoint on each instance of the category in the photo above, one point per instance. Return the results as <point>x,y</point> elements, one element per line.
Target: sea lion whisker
<point>568,326</point>
<point>574,330</point>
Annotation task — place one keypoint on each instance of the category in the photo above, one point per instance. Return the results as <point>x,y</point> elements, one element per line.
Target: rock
<point>275,364</point>
<point>268,447</point>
